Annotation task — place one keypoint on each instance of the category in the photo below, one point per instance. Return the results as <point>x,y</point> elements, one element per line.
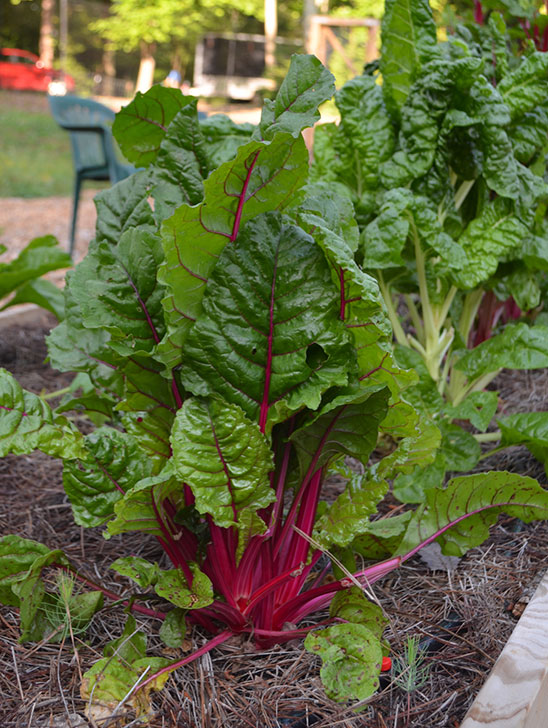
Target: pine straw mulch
<point>466,615</point>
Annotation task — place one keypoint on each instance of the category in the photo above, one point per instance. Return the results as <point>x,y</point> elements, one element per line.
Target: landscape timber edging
<point>515,695</point>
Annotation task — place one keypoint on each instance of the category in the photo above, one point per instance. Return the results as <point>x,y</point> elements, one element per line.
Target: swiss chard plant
<point>21,281</point>
<point>238,356</point>
<point>445,163</point>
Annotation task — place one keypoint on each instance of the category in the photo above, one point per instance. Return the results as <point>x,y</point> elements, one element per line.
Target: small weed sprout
<point>409,672</point>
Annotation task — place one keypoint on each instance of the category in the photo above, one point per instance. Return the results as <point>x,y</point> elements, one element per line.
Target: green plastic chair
<point>93,149</point>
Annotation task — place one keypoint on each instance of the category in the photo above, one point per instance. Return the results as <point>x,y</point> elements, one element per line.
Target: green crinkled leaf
<point>495,233</point>
<point>27,423</point>
<point>270,320</point>
<point>420,439</point>
<point>484,496</point>
<point>348,425</point>
<point>141,126</point>
<point>367,126</point>
<point>408,40</point>
<point>114,463</point>
<point>349,514</point>
<point>123,206</point>
<point>223,457</point>
<point>307,85</point>
<point>327,207</point>
<point>140,570</point>
<point>382,537</point>
<point>181,166</point>
<point>424,395</point>
<point>40,256</point>
<point>17,555</point>
<point>519,346</point>
<point>142,506</point>
<point>522,284</point>
<point>112,677</point>
<point>478,407</point>
<point>116,289</point>
<point>460,449</point>
<point>173,629</point>
<point>263,176</point>
<point>351,656</point>
<point>223,138</point>
<point>526,87</point>
<point>173,586</point>
<point>409,487</point>
<point>529,429</point>
<point>528,134</point>
<point>353,606</point>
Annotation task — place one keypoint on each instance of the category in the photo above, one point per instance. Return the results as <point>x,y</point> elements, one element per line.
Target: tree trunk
<point>109,69</point>
<point>145,77</point>
<point>46,33</point>
<point>270,32</point>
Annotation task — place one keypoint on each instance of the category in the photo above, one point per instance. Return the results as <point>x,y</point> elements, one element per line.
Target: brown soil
<point>471,610</point>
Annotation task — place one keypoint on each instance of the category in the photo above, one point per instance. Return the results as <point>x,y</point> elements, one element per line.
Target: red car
<point>23,71</point>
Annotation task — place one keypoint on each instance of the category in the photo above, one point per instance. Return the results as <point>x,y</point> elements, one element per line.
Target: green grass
<point>35,156</point>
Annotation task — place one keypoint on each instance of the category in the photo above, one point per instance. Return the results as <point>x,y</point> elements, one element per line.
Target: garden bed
<point>467,614</point>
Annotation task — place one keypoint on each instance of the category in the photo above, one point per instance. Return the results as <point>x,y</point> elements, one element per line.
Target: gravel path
<point>22,220</point>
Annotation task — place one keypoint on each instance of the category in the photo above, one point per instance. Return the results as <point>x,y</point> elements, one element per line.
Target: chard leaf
<point>408,40</point>
<point>41,292</point>
<point>40,256</point>
<point>223,138</point>
<point>114,463</point>
<point>366,125</point>
<point>478,500</point>
<point>173,629</point>
<point>141,126</point>
<point>17,556</point>
<point>353,606</point>
<point>495,233</point>
<point>409,487</point>
<point>307,85</point>
<point>420,439</point>
<point>478,407</point>
<point>173,586</point>
<point>460,449</point>
<point>349,514</point>
<point>223,457</point>
<point>270,320</point>
<point>351,656</point>
<point>115,288</point>
<point>124,205</point>
<point>526,87</point>
<point>327,208</point>
<point>381,537</point>
<point>529,429</point>
<point>27,423</point>
<point>522,284</point>
<point>519,346</point>
<point>142,507</point>
<point>182,164</point>
<point>264,176</point>
<point>140,570</point>
<point>112,677</point>
<point>528,134</point>
<point>348,424</point>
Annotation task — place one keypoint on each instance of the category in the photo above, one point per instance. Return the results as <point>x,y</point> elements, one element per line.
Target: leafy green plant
<point>239,355</point>
<point>20,279</point>
<point>445,164</point>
